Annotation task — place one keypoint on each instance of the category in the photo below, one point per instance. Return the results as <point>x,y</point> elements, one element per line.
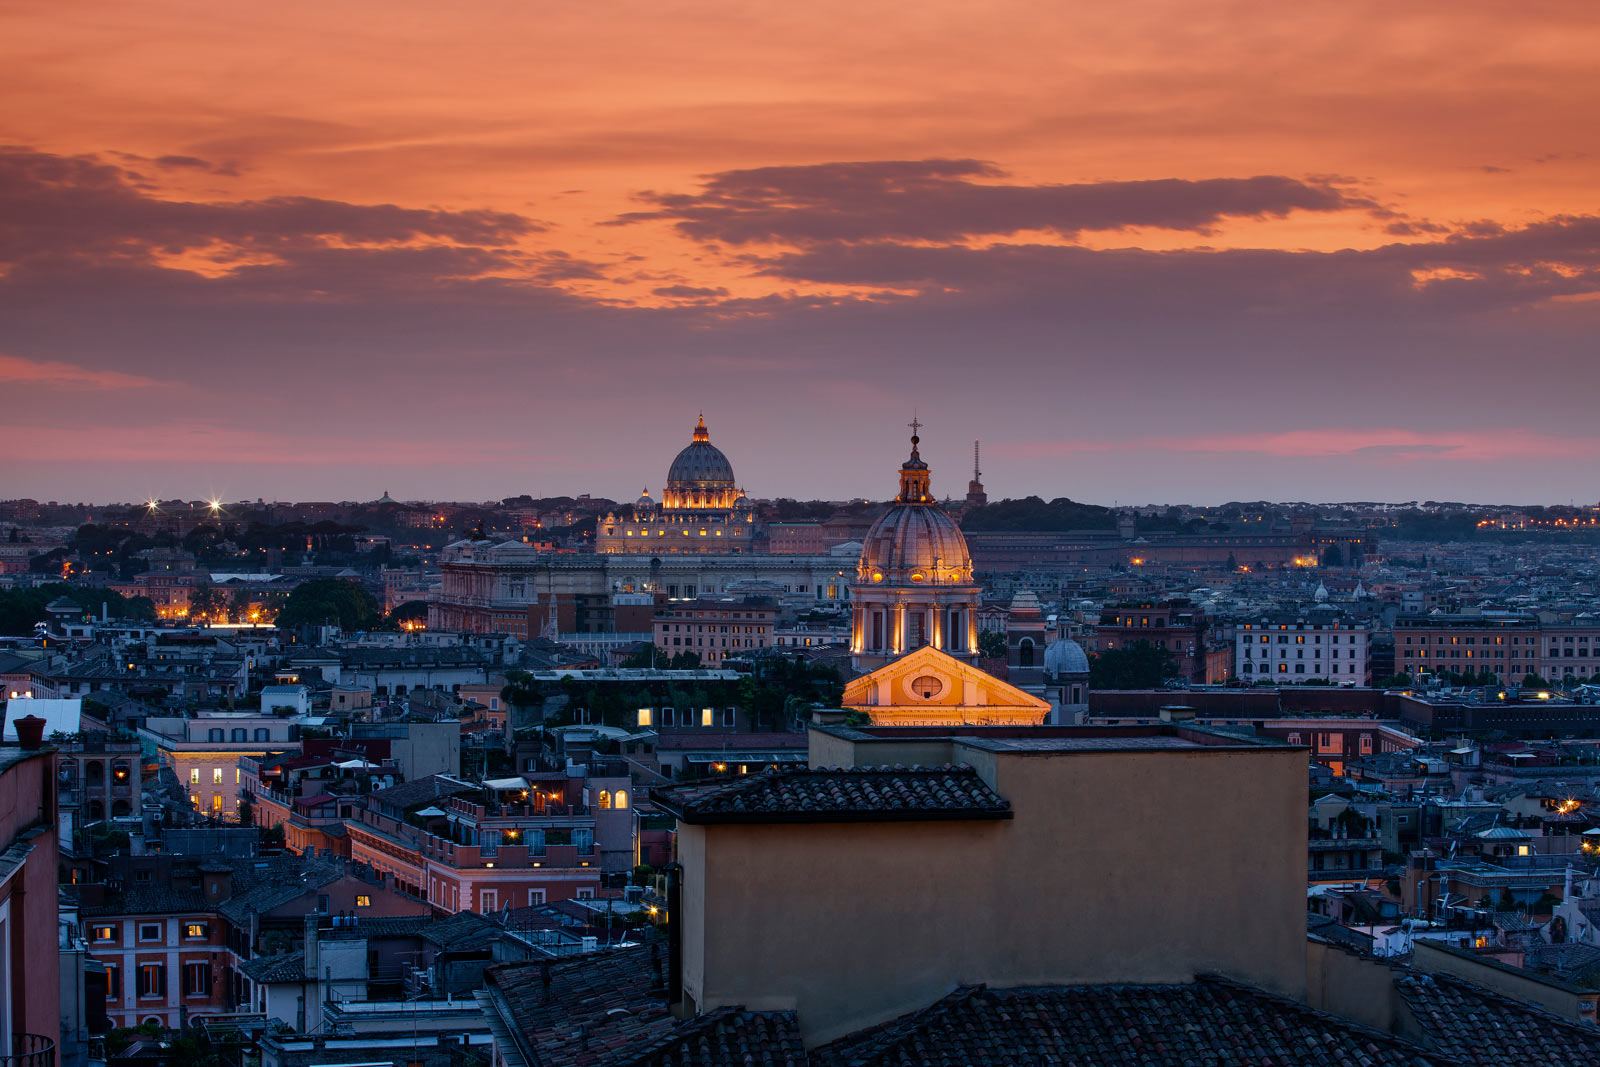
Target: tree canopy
<point>1032,513</point>
<point>1141,665</point>
<point>329,601</point>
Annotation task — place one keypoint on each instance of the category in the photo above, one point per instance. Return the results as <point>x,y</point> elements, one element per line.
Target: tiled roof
<point>463,930</point>
<point>423,790</point>
<point>585,1010</point>
<point>1475,1026</point>
<point>594,1010</point>
<point>727,1037</point>
<point>149,900</point>
<point>838,794</point>
<point>289,967</point>
<point>259,888</point>
<point>1211,1022</point>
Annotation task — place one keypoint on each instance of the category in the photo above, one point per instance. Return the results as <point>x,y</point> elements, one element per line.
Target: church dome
<point>1065,656</point>
<point>915,542</point>
<point>701,465</point>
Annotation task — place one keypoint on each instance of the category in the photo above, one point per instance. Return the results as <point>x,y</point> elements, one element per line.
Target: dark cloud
<point>689,291</point>
<point>69,207</point>
<point>952,199</point>
<point>1477,271</point>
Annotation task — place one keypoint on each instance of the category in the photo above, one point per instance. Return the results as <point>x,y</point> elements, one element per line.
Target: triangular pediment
<point>930,687</point>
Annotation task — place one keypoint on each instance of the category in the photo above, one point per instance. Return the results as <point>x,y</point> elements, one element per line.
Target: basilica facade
<point>702,510</point>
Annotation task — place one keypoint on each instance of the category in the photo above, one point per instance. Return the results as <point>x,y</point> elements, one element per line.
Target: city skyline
<point>1144,256</point>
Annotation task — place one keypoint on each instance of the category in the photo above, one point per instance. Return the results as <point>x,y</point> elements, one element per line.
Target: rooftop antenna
<point>977,474</point>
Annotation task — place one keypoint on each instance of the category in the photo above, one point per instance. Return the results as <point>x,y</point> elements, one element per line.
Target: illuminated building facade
<point>914,583</point>
<point>1292,648</point>
<point>702,510</point>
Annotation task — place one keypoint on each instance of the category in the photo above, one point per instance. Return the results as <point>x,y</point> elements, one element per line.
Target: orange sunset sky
<point>1147,252</point>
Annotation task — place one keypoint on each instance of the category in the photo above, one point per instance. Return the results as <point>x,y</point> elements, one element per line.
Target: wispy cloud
<point>1379,445</point>
<point>17,371</point>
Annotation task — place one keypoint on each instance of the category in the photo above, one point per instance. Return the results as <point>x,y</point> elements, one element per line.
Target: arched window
<point>622,799</point>
<point>1025,652</point>
<point>604,800</point>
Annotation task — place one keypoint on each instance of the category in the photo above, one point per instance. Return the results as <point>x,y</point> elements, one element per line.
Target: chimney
<point>311,943</point>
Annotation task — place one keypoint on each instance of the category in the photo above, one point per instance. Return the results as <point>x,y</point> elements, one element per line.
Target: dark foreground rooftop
<point>838,795</point>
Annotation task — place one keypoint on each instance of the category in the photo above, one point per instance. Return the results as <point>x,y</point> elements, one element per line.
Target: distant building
<point>702,510</point>
<point>1289,648</point>
<point>1178,625</point>
<point>913,583</point>
<point>716,629</point>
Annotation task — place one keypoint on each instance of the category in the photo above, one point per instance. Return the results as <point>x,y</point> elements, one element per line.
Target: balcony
<point>30,1050</point>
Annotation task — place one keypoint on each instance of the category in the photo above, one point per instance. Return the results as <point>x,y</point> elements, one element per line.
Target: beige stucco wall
<point>827,750</point>
<point>1351,986</point>
<point>1145,866</point>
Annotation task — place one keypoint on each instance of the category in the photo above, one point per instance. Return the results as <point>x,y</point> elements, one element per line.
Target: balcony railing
<point>30,1050</point>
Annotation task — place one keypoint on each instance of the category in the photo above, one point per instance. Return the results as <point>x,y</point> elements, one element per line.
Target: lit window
<point>621,799</point>
<point>705,717</point>
<point>644,716</point>
<point>603,802</point>
<point>216,776</point>
<point>363,901</point>
<point>194,775</point>
<point>105,933</point>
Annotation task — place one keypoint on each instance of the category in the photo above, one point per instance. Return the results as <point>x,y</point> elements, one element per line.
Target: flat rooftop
<point>1062,739</point>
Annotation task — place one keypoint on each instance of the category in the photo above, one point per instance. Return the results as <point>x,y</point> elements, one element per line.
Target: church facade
<point>702,510</point>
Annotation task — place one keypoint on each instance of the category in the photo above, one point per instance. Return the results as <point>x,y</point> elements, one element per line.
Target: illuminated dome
<point>701,466</point>
<point>915,542</point>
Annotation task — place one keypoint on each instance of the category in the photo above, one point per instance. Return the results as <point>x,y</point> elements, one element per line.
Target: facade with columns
<point>702,511</point>
<point>913,584</point>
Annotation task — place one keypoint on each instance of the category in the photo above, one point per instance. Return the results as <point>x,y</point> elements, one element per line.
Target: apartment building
<point>1293,648</point>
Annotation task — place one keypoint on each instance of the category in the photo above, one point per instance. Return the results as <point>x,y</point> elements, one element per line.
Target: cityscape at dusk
<point>690,535</point>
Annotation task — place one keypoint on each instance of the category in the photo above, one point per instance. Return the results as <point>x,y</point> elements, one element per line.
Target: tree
<point>686,661</point>
<point>1533,681</point>
<point>205,601</point>
<point>239,605</point>
<point>1333,557</point>
<point>1141,665</point>
<point>331,601</point>
<point>992,644</point>
<point>521,691</point>
<point>414,612</point>
<point>646,656</point>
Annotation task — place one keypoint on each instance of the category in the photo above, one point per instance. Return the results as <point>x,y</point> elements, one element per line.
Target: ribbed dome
<point>701,465</point>
<point>915,544</point>
<point>1065,656</point>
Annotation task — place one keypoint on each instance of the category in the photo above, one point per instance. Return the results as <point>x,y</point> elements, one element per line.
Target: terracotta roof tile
<point>1484,1029</point>
<point>837,794</point>
<point>1212,1022</point>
